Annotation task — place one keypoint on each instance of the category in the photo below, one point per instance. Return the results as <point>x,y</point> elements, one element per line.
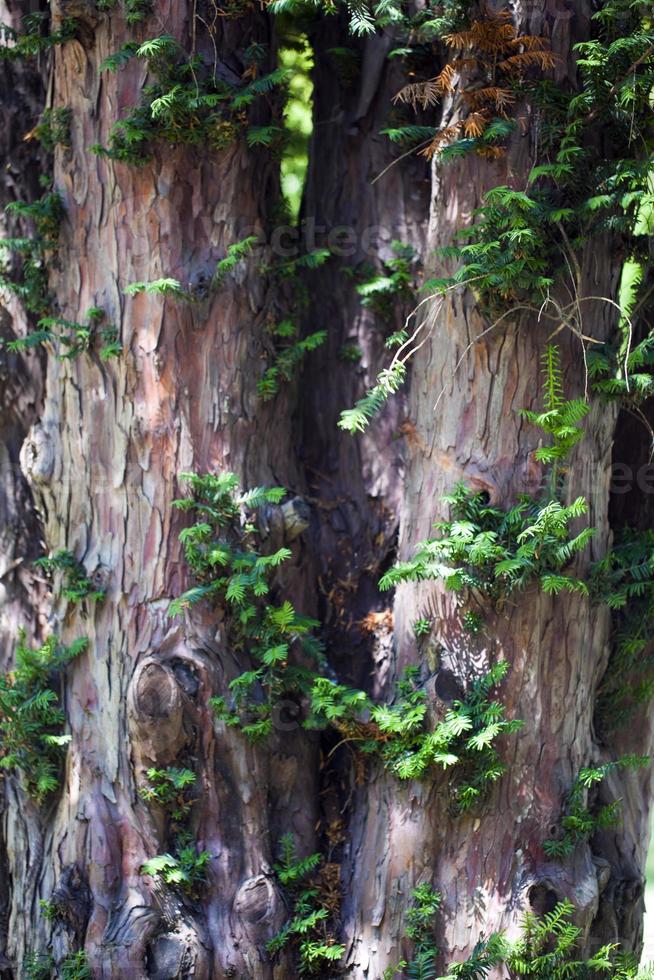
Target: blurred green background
<point>296,55</point>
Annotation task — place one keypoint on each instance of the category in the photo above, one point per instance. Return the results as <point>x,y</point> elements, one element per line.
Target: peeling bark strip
<point>102,445</point>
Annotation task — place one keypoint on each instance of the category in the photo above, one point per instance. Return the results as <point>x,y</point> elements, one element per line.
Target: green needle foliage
<point>289,347</point>
<point>507,251</point>
<point>48,910</point>
<point>76,585</point>
<point>75,966</point>
<point>409,134</point>
<point>387,294</point>
<point>624,580</point>
<point>622,370</point>
<point>53,129</point>
<point>34,38</point>
<point>184,869</point>
<point>523,239</point>
<point>46,214</point>
<point>70,338</point>
<point>493,552</point>
<point>236,252</point>
<point>389,381</point>
<point>464,741</point>
<point>487,954</point>
<point>496,552</point>
<point>546,950</point>
<point>420,918</point>
<point>351,353</point>
<point>397,284</point>
<point>220,548</point>
<point>135,10</point>
<point>291,351</point>
<point>519,238</point>
<point>221,551</point>
<point>41,966</point>
<point>423,966</point>
<point>31,720</point>
<point>629,379</point>
<point>559,419</point>
<point>422,627</point>
<point>169,788</point>
<point>580,822</point>
<point>158,287</point>
<point>38,966</point>
<point>364,18</point>
<point>29,280</point>
<point>420,924</point>
<point>187,102</point>
<point>438,19</point>
<point>308,929</point>
<point>532,954</point>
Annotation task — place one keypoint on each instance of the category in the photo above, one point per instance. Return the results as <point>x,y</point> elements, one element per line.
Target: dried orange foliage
<point>378,622</point>
<point>328,882</point>
<point>491,59</point>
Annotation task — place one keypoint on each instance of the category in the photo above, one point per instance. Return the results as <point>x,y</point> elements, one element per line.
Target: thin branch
<point>398,159</point>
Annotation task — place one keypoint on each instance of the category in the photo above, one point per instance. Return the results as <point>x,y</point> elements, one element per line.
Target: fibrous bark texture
<point>102,445</point>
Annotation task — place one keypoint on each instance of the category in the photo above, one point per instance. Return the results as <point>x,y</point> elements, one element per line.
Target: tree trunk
<point>467,385</point>
<point>103,447</point>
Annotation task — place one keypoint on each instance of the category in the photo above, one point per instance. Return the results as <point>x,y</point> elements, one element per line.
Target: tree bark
<point>103,447</point>
<point>467,385</point>
<point>103,461</point>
